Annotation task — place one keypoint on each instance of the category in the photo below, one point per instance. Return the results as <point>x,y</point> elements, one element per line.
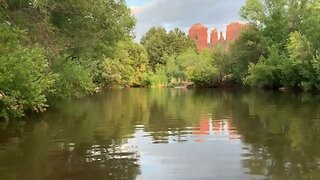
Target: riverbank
<point>186,86</point>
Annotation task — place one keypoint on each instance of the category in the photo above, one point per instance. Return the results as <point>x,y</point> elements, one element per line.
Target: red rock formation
<point>199,33</point>
<point>233,31</point>
<point>214,39</point>
<point>221,40</point>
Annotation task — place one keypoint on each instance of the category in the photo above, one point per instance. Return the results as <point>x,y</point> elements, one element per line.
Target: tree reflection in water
<point>109,135</point>
<point>282,133</point>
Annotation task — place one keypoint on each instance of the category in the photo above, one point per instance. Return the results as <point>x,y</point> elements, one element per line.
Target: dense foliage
<point>24,76</point>
<point>279,48</point>
<point>285,42</point>
<point>161,44</point>
<point>163,49</point>
<point>127,67</point>
<point>63,49</point>
<point>173,58</point>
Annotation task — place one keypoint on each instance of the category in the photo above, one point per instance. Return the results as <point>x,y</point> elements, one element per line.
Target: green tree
<point>201,70</point>
<point>178,42</point>
<point>76,37</point>
<point>158,78</point>
<point>300,56</point>
<point>249,47</point>
<point>73,79</point>
<point>175,69</point>
<point>161,45</point>
<point>267,72</point>
<point>128,67</point>
<point>271,16</point>
<point>155,43</point>
<point>311,24</point>
<point>222,62</point>
<point>24,76</point>
<point>94,22</point>
<point>289,30</point>
<point>316,66</point>
<point>253,11</point>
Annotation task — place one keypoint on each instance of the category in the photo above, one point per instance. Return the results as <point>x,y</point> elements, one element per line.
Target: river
<point>167,134</point>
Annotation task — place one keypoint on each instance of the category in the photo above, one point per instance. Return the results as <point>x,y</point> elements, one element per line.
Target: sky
<point>184,13</point>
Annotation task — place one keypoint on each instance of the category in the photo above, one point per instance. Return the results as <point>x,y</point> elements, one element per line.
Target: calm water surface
<point>167,134</point>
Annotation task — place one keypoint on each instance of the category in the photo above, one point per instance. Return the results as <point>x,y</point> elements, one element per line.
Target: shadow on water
<point>168,133</point>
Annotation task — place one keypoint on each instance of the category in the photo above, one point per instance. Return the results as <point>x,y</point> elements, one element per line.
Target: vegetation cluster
<point>61,49</point>
<point>279,48</point>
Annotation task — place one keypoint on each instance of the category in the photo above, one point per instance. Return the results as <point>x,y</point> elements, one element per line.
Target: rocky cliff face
<point>233,31</point>
<point>199,33</point>
<point>221,39</point>
<point>214,39</point>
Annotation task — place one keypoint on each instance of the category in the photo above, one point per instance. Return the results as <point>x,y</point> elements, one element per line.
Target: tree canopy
<point>67,49</point>
<point>53,48</point>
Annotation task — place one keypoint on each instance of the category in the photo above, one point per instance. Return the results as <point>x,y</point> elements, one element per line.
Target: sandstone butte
<point>214,39</point>
<point>221,40</point>
<point>199,33</point>
<point>233,31</point>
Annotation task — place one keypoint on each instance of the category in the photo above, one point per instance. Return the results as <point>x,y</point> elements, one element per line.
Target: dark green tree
<point>155,43</point>
<point>160,45</point>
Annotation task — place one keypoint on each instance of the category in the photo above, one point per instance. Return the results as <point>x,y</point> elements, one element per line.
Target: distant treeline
<point>279,48</point>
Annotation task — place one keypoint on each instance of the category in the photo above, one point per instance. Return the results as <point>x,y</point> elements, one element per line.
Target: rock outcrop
<point>199,33</point>
<point>214,39</point>
<point>233,31</point>
<point>221,39</point>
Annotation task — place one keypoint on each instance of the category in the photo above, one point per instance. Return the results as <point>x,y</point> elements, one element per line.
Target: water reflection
<point>216,129</point>
<point>168,134</point>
